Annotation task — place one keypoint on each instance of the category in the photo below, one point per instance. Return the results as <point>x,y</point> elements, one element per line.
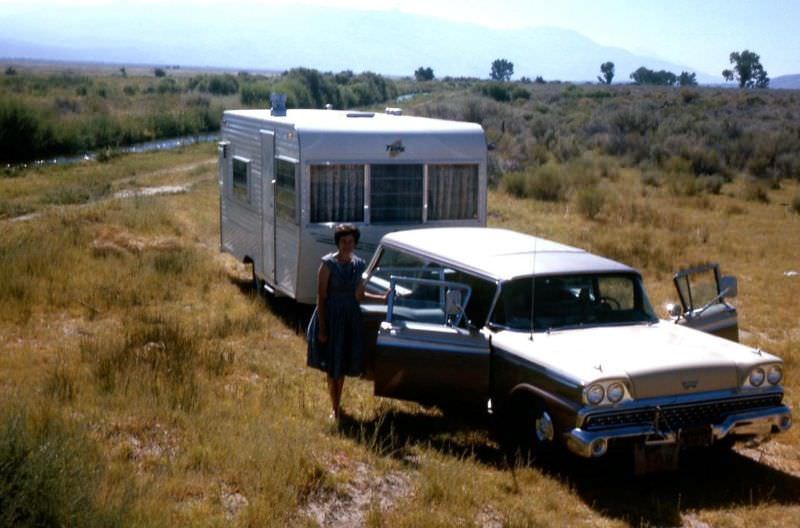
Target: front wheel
<point>528,431</point>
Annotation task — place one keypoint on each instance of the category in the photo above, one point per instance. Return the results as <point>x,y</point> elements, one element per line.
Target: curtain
<point>337,193</point>
<point>452,192</point>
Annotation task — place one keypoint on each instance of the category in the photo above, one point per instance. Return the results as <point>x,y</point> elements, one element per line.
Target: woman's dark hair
<point>343,230</point>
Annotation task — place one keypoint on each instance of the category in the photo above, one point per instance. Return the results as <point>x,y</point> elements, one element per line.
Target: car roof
<point>500,254</point>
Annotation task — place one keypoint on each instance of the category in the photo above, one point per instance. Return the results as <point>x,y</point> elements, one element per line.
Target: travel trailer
<point>287,177</point>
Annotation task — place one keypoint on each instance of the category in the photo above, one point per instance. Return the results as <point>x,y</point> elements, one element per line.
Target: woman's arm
<point>323,275</point>
<point>362,294</point>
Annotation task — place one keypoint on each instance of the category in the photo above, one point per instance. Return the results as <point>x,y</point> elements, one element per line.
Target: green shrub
<point>683,185</point>
<point>711,184</point>
<point>547,183</point>
<point>753,190</point>
<point>50,474</point>
<point>24,133</point>
<point>590,201</point>
<point>500,92</point>
<point>651,178</point>
<point>515,184</point>
<point>520,93</point>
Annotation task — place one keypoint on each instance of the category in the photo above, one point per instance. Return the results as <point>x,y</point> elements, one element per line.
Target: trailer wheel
<point>258,284</point>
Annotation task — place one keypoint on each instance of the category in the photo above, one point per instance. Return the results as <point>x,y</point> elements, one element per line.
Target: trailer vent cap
<point>278,101</point>
<point>361,114</point>
<point>394,111</point>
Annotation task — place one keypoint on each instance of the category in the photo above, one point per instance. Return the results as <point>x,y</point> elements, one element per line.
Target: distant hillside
<point>787,82</point>
<point>282,37</point>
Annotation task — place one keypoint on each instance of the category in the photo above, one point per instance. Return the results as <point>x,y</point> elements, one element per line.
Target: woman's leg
<point>333,391</point>
<point>339,388</point>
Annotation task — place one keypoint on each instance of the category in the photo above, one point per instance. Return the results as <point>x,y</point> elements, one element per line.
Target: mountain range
<point>788,82</point>
<point>328,39</point>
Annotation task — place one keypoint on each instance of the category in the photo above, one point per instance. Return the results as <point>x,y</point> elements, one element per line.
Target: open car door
<point>702,292</point>
<point>426,351</point>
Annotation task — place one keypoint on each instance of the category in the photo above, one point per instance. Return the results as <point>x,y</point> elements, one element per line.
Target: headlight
<point>595,393</point>
<point>774,375</point>
<point>757,377</point>
<point>615,392</point>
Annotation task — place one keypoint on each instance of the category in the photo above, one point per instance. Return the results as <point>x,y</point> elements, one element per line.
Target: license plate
<point>655,458</point>
<point>695,437</point>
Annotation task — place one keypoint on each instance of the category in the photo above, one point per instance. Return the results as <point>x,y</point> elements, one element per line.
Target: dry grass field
<point>144,383</point>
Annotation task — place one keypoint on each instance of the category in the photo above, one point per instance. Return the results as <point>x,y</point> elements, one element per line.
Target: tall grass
<point>51,474</point>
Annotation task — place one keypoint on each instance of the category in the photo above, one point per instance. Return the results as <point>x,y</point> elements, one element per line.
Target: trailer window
<point>285,195</point>
<point>240,187</point>
<point>452,192</point>
<point>395,193</point>
<point>337,193</point>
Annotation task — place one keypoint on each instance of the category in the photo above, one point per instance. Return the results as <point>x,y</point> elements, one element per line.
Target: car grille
<point>680,416</point>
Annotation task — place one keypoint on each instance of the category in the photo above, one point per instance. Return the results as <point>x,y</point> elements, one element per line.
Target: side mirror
<point>674,310</point>
<point>453,302</point>
<point>728,287</point>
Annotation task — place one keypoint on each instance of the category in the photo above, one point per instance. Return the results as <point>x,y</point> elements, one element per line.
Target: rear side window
<point>337,193</point>
<point>240,184</point>
<point>452,192</point>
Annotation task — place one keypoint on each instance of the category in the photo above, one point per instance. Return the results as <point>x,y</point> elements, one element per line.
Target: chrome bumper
<point>759,423</point>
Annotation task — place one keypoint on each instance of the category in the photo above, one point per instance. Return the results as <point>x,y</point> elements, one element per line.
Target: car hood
<point>658,360</point>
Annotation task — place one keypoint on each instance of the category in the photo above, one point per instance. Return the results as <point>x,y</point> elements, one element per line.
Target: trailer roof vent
<point>278,101</point>
<point>361,114</point>
<point>394,111</point>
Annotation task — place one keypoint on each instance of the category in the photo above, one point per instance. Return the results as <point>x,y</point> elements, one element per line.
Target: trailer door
<point>287,223</point>
<point>267,204</point>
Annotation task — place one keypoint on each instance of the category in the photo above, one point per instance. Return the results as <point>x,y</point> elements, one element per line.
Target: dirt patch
<point>146,445</point>
<point>774,454</point>
<point>152,191</point>
<point>350,503</point>
<point>113,240</point>
<point>690,520</point>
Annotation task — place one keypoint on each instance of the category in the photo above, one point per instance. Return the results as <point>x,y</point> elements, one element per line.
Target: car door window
<point>698,287</point>
<point>483,293</point>
<point>393,262</point>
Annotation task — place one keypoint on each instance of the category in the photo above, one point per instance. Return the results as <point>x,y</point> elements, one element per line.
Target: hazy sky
<point>700,33</point>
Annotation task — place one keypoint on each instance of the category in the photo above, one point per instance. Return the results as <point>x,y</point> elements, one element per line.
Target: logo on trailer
<point>395,149</point>
<point>689,384</point>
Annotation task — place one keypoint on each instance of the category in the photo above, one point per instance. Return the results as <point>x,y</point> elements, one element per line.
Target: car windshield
<point>563,301</point>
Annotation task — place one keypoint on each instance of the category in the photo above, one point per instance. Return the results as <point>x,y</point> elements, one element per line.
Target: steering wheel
<point>610,301</point>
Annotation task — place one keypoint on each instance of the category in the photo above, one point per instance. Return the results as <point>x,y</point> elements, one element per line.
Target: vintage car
<point>562,344</point>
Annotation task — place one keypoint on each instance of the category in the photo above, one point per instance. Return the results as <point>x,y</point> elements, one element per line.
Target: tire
<point>258,284</point>
<point>528,432</point>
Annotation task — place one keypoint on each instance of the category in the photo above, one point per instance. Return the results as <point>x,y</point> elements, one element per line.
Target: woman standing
<point>335,334</point>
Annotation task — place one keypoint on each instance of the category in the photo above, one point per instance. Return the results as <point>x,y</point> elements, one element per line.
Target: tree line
<point>747,71</point>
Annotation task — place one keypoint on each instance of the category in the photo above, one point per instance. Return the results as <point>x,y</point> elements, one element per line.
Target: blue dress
<point>343,354</point>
